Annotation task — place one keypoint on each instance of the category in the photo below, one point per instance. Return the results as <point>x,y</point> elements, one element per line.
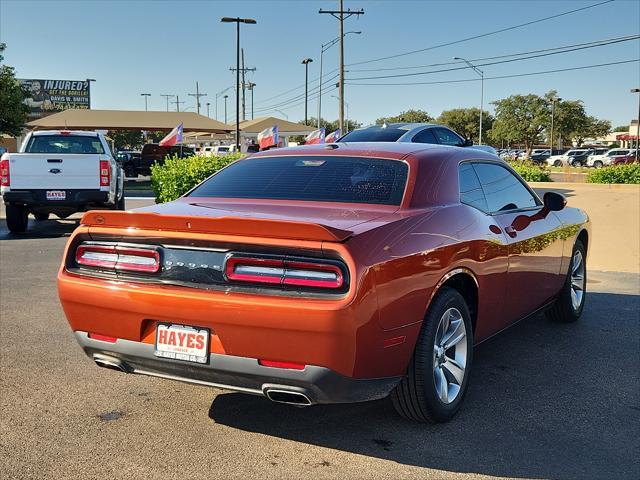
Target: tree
<point>13,112</point>
<point>126,139</point>
<point>621,128</point>
<point>521,119</point>
<point>590,127</point>
<point>331,126</point>
<point>410,116</point>
<point>466,121</point>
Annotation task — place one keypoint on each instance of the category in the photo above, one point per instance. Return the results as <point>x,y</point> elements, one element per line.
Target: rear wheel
<point>557,163</point>
<point>576,163</point>
<point>568,307</point>
<point>17,218</point>
<point>598,164</point>
<point>438,373</point>
<point>120,203</point>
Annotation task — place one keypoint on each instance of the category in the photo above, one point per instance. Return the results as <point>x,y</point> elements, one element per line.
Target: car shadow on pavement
<point>567,192</point>
<point>41,229</point>
<point>546,400</point>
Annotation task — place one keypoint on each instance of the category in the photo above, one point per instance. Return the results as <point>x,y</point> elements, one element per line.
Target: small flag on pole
<point>174,137</point>
<point>268,137</point>
<point>333,137</point>
<point>315,137</point>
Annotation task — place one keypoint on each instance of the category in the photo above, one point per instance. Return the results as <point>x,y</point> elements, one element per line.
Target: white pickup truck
<point>60,172</point>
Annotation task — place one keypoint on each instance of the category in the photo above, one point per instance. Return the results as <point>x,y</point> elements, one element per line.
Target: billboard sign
<point>52,96</point>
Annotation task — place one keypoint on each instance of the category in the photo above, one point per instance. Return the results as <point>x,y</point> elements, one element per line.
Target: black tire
<point>416,397</point>
<point>120,203</point>
<point>557,163</point>
<point>17,218</point>
<point>563,309</point>
<point>41,216</point>
<point>576,164</point>
<point>598,164</point>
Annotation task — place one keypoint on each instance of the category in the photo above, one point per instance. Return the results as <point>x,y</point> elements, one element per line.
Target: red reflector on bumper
<point>288,365</point>
<point>102,338</point>
<point>391,342</point>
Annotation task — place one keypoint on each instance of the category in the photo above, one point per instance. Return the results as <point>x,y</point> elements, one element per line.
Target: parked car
<point>315,275</point>
<point>579,158</point>
<point>216,150</point>
<point>563,159</point>
<point>154,153</point>
<point>599,160</point>
<point>129,160</point>
<point>629,157</point>
<point>407,132</point>
<point>60,172</point>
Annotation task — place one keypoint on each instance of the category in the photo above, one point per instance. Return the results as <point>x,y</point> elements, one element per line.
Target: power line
<point>497,62</point>
<point>314,90</point>
<point>482,35</point>
<point>583,67</point>
<point>593,44</point>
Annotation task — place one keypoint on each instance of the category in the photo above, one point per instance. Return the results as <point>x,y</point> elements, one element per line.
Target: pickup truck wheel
<point>438,374</point>
<point>17,218</point>
<point>568,307</point>
<point>41,216</point>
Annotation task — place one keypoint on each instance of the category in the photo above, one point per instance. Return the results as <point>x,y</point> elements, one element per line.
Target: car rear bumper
<point>39,198</point>
<point>318,385</point>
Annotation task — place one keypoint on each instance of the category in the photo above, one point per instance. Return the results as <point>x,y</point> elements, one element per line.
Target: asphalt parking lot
<point>545,400</point>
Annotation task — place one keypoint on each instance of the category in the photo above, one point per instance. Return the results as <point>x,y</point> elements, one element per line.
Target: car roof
<point>401,125</point>
<point>84,133</point>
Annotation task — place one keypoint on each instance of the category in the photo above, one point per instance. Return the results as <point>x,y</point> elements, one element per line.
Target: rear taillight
<point>105,173</point>
<point>4,173</point>
<point>284,272</point>
<point>116,257</point>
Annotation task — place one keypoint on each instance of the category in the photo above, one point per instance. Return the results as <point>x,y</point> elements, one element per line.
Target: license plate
<point>181,342</point>
<point>56,195</point>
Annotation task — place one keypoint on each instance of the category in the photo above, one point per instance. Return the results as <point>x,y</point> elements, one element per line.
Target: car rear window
<point>377,134</point>
<point>64,144</point>
<point>320,179</point>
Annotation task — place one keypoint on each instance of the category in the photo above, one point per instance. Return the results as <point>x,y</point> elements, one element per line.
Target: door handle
<point>54,160</point>
<point>511,231</point>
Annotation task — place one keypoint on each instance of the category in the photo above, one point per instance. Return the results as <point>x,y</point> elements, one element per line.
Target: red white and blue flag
<point>174,137</point>
<point>333,137</point>
<point>315,137</point>
<point>268,137</point>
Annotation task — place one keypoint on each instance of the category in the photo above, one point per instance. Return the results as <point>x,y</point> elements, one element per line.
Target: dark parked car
<point>579,159</point>
<point>541,157</point>
<point>128,160</point>
<point>154,153</point>
<point>407,132</point>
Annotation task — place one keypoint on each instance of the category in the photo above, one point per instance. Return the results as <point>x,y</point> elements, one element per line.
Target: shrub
<point>616,174</point>
<point>531,172</point>
<point>177,176</point>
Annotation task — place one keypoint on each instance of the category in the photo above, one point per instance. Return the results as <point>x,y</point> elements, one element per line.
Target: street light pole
<point>481,73</point>
<point>324,48</point>
<point>145,95</point>
<point>167,97</point>
<point>637,90</point>
<point>553,111</point>
<point>208,103</point>
<point>250,86</point>
<point>306,63</point>
<point>225,108</point>
<point>237,21</point>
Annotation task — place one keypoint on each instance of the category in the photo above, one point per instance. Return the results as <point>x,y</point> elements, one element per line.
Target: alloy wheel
<point>577,280</point>
<point>449,355</point>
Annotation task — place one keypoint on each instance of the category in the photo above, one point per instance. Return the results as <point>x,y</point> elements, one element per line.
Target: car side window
<point>447,137</point>
<point>502,189</point>
<point>470,190</point>
<point>425,136</point>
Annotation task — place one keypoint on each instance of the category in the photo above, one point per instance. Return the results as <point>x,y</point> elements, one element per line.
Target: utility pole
<point>177,103</point>
<point>167,97</point>
<point>243,85</point>
<point>145,95</point>
<point>341,15</point>
<point>250,86</point>
<point>197,95</point>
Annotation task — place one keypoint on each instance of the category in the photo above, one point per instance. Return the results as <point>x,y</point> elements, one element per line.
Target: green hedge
<point>531,172</point>
<point>177,176</point>
<point>616,174</point>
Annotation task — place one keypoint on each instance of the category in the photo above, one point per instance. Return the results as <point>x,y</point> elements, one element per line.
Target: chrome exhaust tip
<point>290,397</point>
<point>111,363</point>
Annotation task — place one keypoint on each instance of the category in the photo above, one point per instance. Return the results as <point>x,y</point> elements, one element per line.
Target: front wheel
<point>17,218</point>
<point>598,164</point>
<point>576,164</point>
<point>438,373</point>
<point>557,163</point>
<point>569,304</point>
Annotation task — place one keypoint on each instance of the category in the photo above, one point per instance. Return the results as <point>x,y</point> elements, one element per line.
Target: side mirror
<point>554,201</point>
<point>467,143</point>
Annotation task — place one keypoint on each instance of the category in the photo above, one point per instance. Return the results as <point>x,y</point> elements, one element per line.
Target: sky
<point>164,47</point>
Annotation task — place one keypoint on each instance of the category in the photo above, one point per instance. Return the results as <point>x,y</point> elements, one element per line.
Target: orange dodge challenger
<point>327,274</point>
